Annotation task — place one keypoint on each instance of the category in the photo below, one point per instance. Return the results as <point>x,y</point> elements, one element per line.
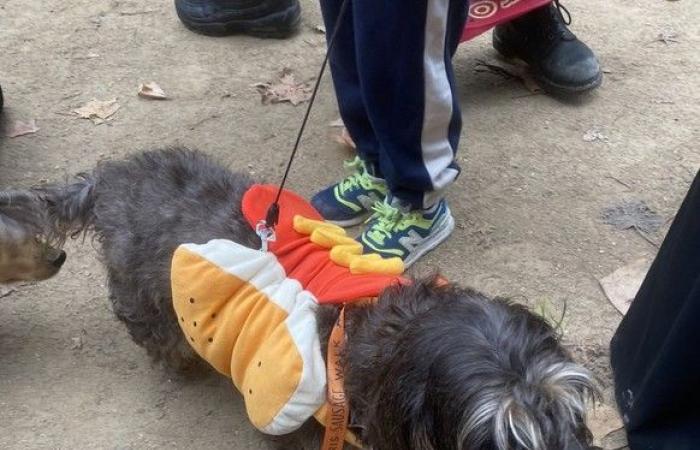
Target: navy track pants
<point>393,76</point>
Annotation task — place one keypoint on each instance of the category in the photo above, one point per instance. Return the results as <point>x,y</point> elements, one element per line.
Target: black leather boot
<point>560,62</point>
<point>260,18</point>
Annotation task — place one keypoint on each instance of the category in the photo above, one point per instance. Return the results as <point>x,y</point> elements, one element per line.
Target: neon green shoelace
<point>357,179</point>
<point>387,219</point>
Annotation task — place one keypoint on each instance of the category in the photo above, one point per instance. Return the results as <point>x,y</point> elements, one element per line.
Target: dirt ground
<point>528,203</point>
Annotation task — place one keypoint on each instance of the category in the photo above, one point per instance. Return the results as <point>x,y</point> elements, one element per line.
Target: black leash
<point>273,213</point>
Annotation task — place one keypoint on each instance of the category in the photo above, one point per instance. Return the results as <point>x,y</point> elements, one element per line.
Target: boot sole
<point>278,25</point>
<point>550,86</point>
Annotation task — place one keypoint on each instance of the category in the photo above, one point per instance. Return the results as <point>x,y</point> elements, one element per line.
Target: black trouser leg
<point>655,352</point>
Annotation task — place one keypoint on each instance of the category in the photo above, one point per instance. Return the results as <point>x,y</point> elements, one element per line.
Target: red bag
<point>486,14</point>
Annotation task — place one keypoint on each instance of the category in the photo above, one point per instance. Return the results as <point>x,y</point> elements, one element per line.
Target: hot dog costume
<point>251,314</point>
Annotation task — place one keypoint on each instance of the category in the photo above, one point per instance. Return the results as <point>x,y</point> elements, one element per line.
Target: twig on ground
<point>206,119</point>
<point>619,181</point>
<point>645,237</point>
<point>137,13</point>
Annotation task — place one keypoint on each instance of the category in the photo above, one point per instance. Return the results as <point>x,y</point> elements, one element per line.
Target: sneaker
<point>260,18</point>
<point>559,62</point>
<point>350,201</point>
<point>409,235</point>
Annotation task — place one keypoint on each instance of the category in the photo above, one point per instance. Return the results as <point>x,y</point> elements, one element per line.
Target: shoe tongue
<point>399,204</point>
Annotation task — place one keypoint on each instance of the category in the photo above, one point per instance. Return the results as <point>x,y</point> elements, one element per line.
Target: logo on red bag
<point>483,9</point>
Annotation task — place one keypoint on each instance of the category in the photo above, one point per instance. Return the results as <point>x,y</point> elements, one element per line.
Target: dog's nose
<point>58,262</point>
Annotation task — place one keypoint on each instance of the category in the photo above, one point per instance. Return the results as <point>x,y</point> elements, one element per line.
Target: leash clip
<point>266,235</point>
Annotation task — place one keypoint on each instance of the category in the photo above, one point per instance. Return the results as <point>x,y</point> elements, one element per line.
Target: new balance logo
<point>411,241</point>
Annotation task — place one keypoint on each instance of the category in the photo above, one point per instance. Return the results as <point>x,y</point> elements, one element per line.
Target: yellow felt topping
<point>343,254</point>
<point>346,251</point>
<point>306,226</point>
<point>374,264</point>
<point>328,238</point>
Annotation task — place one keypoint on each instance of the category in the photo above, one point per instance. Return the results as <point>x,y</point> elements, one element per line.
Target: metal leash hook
<point>266,228</point>
<point>266,235</point>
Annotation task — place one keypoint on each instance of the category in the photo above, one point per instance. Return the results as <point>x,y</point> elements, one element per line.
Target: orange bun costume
<point>252,314</point>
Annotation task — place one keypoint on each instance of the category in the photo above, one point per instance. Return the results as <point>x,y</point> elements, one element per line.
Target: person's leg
<point>261,18</point>
<point>405,64</point>
<point>560,62</point>
<point>348,202</point>
<point>654,353</point>
<point>346,80</point>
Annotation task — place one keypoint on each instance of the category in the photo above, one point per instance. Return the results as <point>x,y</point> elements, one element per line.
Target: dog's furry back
<point>141,209</point>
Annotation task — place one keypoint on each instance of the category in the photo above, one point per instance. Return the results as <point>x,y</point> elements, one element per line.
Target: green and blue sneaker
<point>408,234</point>
<point>350,201</point>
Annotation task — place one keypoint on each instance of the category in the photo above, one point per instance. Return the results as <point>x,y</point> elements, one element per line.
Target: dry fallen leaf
<point>345,139</point>
<point>6,290</point>
<point>337,123</point>
<point>622,285</point>
<point>615,440</point>
<point>513,72</point>
<point>602,420</point>
<point>286,89</point>
<point>98,111</point>
<point>667,36</point>
<point>77,343</point>
<point>152,90</point>
<point>19,128</point>
<point>595,134</point>
<point>632,214</point>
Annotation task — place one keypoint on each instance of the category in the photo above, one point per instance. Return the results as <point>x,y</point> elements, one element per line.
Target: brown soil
<point>528,203</point>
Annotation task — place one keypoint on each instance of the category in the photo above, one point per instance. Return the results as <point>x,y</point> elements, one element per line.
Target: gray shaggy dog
<point>428,367</point>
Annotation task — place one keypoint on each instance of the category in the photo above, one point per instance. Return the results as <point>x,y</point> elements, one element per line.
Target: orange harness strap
<point>338,411</point>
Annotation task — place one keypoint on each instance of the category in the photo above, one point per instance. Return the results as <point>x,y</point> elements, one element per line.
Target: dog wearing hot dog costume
<point>252,314</point>
<point>426,365</point>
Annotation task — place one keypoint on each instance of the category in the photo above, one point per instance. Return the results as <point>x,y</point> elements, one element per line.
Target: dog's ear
<point>513,422</point>
<point>20,216</point>
<point>566,387</point>
<point>570,386</point>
